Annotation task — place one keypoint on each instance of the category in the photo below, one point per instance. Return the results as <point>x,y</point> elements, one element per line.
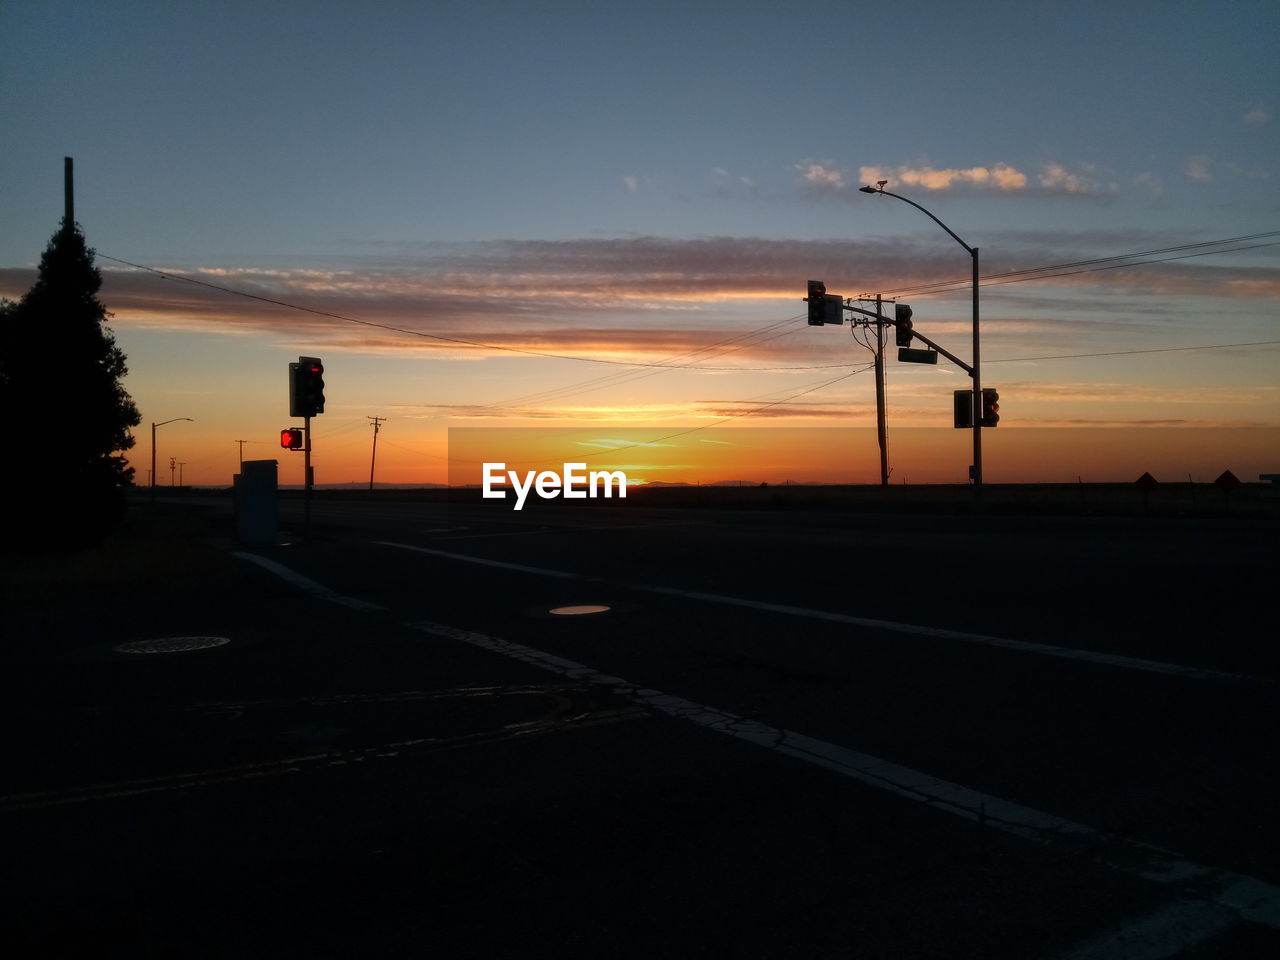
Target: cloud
<point>1150,182</point>
<point>781,411</point>
<point>1054,177</point>
<point>1256,114</point>
<point>822,177</point>
<point>631,183</point>
<point>648,298</point>
<point>1057,177</point>
<point>1197,168</point>
<point>1000,177</point>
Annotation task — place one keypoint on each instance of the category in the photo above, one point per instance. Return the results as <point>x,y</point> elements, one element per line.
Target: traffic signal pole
<point>975,469</point>
<point>306,478</point>
<point>881,432</point>
<point>977,380</point>
<point>306,400</point>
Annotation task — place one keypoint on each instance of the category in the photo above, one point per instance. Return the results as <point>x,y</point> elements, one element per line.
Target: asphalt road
<point>792,734</point>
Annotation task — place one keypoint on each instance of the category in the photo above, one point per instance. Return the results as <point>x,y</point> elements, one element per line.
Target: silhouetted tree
<point>60,389</point>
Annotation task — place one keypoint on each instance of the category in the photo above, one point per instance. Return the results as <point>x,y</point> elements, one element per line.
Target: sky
<point>604,215</point>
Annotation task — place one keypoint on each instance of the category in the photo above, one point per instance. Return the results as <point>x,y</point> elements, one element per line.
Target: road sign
<point>909,355</point>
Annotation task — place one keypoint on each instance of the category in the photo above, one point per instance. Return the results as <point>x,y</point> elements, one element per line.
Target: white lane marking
<point>557,529</point>
<point>540,571</point>
<point>317,590</point>
<point>1161,935</point>
<point>1022,646</point>
<point>1244,896</point>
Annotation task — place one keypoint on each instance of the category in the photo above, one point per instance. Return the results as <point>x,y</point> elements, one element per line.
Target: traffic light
<point>817,302</point>
<point>902,320</point>
<point>962,403</point>
<point>990,407</point>
<point>291,438</point>
<point>306,387</point>
<point>824,307</point>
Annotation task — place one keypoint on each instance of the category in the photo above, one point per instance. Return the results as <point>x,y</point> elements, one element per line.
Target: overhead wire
<point>1123,353</point>
<point>737,416</point>
<point>1095,264</point>
<point>1040,273</point>
<point>628,376</point>
<point>460,341</point>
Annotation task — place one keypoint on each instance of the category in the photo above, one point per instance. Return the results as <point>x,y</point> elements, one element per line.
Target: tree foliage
<point>60,373</point>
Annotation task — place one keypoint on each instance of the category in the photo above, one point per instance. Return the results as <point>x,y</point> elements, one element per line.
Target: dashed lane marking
<point>941,633</point>
<point>1247,898</point>
<point>306,584</point>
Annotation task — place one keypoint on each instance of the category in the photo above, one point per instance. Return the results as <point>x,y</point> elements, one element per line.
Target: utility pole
<point>153,452</point>
<point>173,465</point>
<point>68,193</point>
<point>377,423</point>
<point>880,414</point>
<point>181,464</point>
<point>242,443</point>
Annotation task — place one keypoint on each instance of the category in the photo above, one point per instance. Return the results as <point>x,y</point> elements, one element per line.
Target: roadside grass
<point>152,545</point>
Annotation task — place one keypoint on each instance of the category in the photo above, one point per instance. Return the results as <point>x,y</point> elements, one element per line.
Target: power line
<point>1017,276</point>
<point>1096,264</point>
<point>736,416</point>
<point>460,341</point>
<point>628,376</point>
<point>1122,353</point>
<point>812,388</point>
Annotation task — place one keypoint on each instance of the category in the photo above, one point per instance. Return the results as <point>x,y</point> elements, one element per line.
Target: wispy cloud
<point>1151,182</point>
<point>627,298</point>
<point>1053,178</point>
<point>822,176</point>
<point>999,177</point>
<point>1198,168</point>
<point>1256,114</point>
<point>1057,177</point>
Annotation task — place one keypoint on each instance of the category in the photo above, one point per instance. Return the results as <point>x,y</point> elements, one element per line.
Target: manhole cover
<point>579,609</point>
<point>171,645</point>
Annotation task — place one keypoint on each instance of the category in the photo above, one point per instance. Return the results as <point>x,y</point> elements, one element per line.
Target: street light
<point>153,450</point>
<point>977,379</point>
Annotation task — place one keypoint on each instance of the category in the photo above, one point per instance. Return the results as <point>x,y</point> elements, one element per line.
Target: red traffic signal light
<point>291,438</point>
<point>306,387</point>
<point>990,407</point>
<point>817,302</point>
<point>902,320</point>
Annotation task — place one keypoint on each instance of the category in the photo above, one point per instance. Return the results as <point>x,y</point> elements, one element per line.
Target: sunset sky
<point>588,195</point>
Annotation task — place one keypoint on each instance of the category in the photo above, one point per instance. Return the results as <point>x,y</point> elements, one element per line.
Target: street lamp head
<point>868,190</point>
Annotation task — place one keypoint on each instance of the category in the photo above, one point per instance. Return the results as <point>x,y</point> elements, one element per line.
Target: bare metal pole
<point>880,411</point>
<point>976,469</point>
<point>306,478</point>
<point>153,450</point>
<point>977,385</point>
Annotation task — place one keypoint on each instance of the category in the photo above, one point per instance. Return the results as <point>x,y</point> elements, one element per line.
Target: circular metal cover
<point>579,610</point>
<point>171,645</point>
